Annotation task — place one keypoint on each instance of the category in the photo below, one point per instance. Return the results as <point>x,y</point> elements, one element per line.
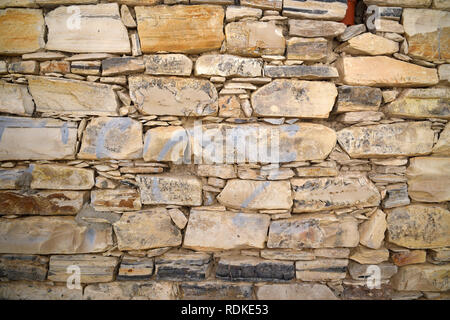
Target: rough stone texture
<point>15,99</point>
<point>428,179</point>
<point>119,66</point>
<point>168,64</point>
<point>120,199</point>
<point>371,232</point>
<point>442,147</point>
<point>363,271</point>
<point>146,230</point>
<point>419,227</point>
<point>110,34</point>
<point>321,269</point>
<point>400,3</point>
<point>365,255</point>
<point>282,98</point>
<point>369,44</point>
<point>232,230</point>
<point>300,291</point>
<point>317,194</point>
<point>358,98</point>
<point>301,72</point>
<point>423,277</point>
<point>173,96</point>
<point>187,29</point>
<point>22,31</point>
<point>42,235</point>
<point>315,9</point>
<point>181,266</point>
<point>20,290</point>
<point>23,267</point>
<point>307,49</point>
<point>387,140</point>
<point>226,65</point>
<point>315,28</point>
<point>263,4</point>
<point>165,144</point>
<point>135,268</point>
<point>216,290</point>
<point>368,71</point>
<point>61,177</point>
<point>131,290</point>
<point>409,257</point>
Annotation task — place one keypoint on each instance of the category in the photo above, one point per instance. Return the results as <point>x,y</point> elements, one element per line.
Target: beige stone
<point>370,71</point>
<point>315,9</point>
<point>121,199</point>
<point>234,13</point>
<point>387,140</point>
<point>316,172</point>
<point>441,4</point>
<point>321,269</point>
<point>22,31</point>
<point>146,230</point>
<point>24,290</point>
<point>23,267</point>
<point>444,74</point>
<point>423,277</point>
<point>365,255</point>
<point>294,98</point>
<point>225,171</point>
<point>419,226</point>
<point>24,67</point>
<point>59,177</point>
<point>400,3</point>
<point>178,218</point>
<point>358,98</point>
<point>52,235</point>
<point>442,147</point>
<point>168,64</point>
<point>315,28</point>
<point>307,49</point>
<point>369,44</point>
<point>15,99</point>
<point>173,96</point>
<point>232,230</point>
<point>188,29</point>
<point>254,38</point>
<point>131,290</point>
<point>404,258</point>
<point>428,179</point>
<point>226,65</point>
<point>121,66</point>
<point>18,3</point>
<point>287,254</point>
<point>229,106</point>
<point>371,232</point>
<point>55,66</point>
<point>300,291</point>
<point>165,144</point>
<point>110,34</point>
<point>263,4</point>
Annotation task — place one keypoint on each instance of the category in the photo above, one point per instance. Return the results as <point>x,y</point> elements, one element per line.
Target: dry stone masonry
<point>222,149</point>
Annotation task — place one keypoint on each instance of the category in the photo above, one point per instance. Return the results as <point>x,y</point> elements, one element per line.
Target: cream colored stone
<point>365,255</point>
<point>121,199</point>
<point>307,49</point>
<point>18,3</point>
<point>234,13</point>
<point>423,277</point>
<point>15,99</point>
<point>371,232</point>
<point>315,28</point>
<point>24,290</point>
<point>227,65</point>
<point>321,269</point>
<point>168,64</point>
<point>442,147</point>
<point>263,4</point>
<point>165,144</point>
<point>59,177</point>
<point>400,3</point>
<point>370,44</point>
<point>300,291</point>
<point>178,218</point>
<point>131,290</point>
<point>315,9</point>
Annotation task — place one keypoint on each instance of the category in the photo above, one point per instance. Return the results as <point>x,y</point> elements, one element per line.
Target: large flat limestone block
<point>423,277</point>
<point>59,177</point>
<point>226,65</point>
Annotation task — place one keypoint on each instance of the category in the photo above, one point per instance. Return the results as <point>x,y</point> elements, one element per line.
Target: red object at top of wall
<point>349,18</point>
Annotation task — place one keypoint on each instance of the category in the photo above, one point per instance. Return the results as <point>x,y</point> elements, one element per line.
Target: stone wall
<point>103,170</point>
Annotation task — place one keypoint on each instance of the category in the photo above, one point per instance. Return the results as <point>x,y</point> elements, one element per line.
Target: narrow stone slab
<point>263,4</point>
<point>42,202</point>
<point>358,98</point>
<point>428,179</point>
<point>21,290</point>
<point>23,267</point>
<point>72,97</point>
<point>315,28</point>
<point>110,34</point>
<point>421,104</point>
<point>216,290</point>
<point>319,194</point>
<point>234,13</point>
<point>321,269</point>
<point>179,28</point>
<point>37,139</point>
<point>371,232</point>
<point>232,230</point>
<point>122,199</point>
<point>57,177</point>
<point>369,44</point>
<point>128,290</point>
<point>173,96</point>
<point>369,71</point>
<point>22,31</point>
<point>387,140</point>
<point>16,178</point>
<point>168,64</point>
<point>297,291</point>
<point>315,9</point>
<point>307,49</point>
<point>301,72</point>
<point>93,268</point>
<point>400,3</point>
<point>170,189</point>
<point>294,98</point>
<point>423,277</point>
<point>112,138</point>
<point>250,194</point>
<point>183,266</point>
<point>121,65</point>
<point>42,235</point>
<point>146,230</point>
<point>135,268</point>
<point>226,65</point>
<point>18,3</point>
<point>15,99</point>
<point>442,147</point>
<point>419,226</point>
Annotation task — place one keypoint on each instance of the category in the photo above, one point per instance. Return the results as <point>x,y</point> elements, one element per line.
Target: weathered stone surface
<point>294,98</point>
<point>234,13</point>
<point>428,33</point>
<point>42,202</point>
<point>441,4</point>
<point>362,271</point>
<point>135,268</point>
<point>335,253</point>
<point>146,230</point>
<point>419,226</point>
<point>55,66</point>
<point>400,3</point>
<point>239,268</point>
<point>93,268</point>
<point>43,235</point>
<point>254,38</point>
<point>307,49</point>
<point>313,231</point>
<point>86,68</point>
<point>182,266</point>
<point>315,9</point>
<point>45,3</point>
<point>74,97</point>
<point>404,258</point>
<point>37,139</point>
<point>122,199</point>
<point>122,65</point>
<point>25,67</point>
<point>21,290</point>
<point>428,179</point>
<point>371,232</point>
<point>442,147</point>
<point>15,99</point>
<point>189,29</point>
<point>369,71</point>
<point>229,106</point>
<point>173,96</point>
<point>358,98</point>
<point>315,28</point>
<point>355,117</point>
<point>112,138</point>
<point>352,31</point>
<point>263,4</point>
<point>170,189</point>
<point>297,291</point>
<point>57,177</point>
<point>18,3</point>
<point>23,267</point>
<point>444,74</point>
<point>321,269</point>
<point>316,172</point>
<point>110,34</point>
<point>22,31</point>
<point>165,144</point>
<point>232,230</point>
<point>319,194</point>
<point>254,195</point>
<point>178,218</point>
<point>168,64</point>
<point>387,140</point>
<point>216,290</point>
<point>301,72</point>
<point>440,255</point>
<point>421,103</point>
<point>369,44</point>
<point>226,171</point>
<point>423,277</point>
<point>365,255</point>
<point>226,65</point>
<point>286,254</point>
<point>131,290</point>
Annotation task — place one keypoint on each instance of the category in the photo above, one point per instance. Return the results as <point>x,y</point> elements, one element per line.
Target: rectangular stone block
<point>121,199</point>
<point>315,9</point>
<point>181,266</point>
<point>226,65</point>
<point>301,72</point>
<point>128,290</point>
<point>422,277</point>
<point>122,65</point>
<point>307,49</point>
<point>315,28</point>
<point>23,267</point>
<point>358,98</point>
<point>15,99</point>
<point>297,291</point>
<point>263,4</point>
<point>135,268</point>
<point>216,290</point>
<point>166,144</point>
<point>24,290</point>
<point>14,178</point>
<point>321,269</point>
<point>58,177</point>
<point>168,64</point>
